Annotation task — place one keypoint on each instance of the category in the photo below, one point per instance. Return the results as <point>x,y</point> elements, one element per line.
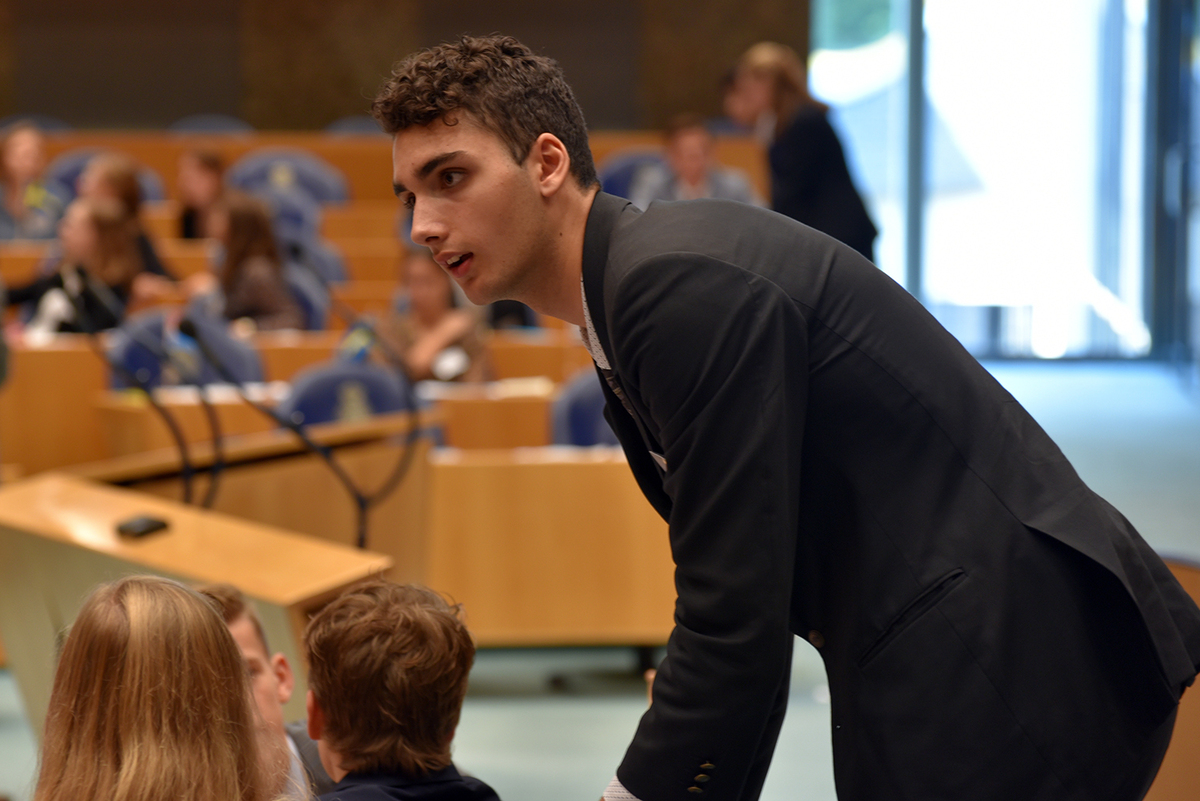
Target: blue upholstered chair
<point>617,172</point>
<point>577,416</point>
<point>65,170</point>
<point>283,169</point>
<point>126,348</point>
<point>210,123</point>
<point>343,390</point>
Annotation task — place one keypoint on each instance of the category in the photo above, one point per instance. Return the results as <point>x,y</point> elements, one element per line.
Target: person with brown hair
<point>151,702</point>
<point>91,284</point>
<point>810,180</point>
<point>271,684</point>
<point>200,185</point>
<point>115,175</point>
<point>250,279</point>
<point>831,464</point>
<point>388,667</point>
<point>28,207</point>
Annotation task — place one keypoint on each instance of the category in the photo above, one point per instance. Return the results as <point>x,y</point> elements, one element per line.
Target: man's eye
<point>408,201</point>
<point>451,178</point>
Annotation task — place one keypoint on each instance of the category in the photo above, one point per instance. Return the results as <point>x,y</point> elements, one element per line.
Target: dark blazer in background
<point>810,181</point>
<point>443,785</point>
<point>310,757</point>
<point>838,466</point>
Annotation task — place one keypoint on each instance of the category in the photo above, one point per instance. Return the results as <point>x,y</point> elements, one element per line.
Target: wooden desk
<point>1179,775</point>
<point>483,416</point>
<point>19,260</point>
<point>131,426</point>
<point>271,478</point>
<point>58,540</point>
<point>549,546</point>
<point>557,354</point>
<point>373,259</point>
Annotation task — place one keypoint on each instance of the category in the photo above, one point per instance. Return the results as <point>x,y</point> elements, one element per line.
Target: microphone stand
<point>186,471</point>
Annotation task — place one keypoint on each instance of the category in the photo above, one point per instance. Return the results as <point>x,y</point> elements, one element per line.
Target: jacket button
<point>694,789</point>
<point>816,638</point>
<point>707,766</point>
<point>701,778</point>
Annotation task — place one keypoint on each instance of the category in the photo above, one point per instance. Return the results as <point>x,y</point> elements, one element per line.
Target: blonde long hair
<point>784,70</point>
<point>151,702</point>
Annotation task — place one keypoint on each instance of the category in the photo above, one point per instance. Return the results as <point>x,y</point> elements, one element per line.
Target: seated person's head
<point>151,701</point>
<point>388,668</point>
<point>689,148</point>
<point>112,175</point>
<point>271,679</point>
<point>98,235</point>
<point>200,178</point>
<point>430,290</point>
<point>22,154</point>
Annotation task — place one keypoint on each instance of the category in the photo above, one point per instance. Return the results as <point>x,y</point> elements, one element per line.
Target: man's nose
<point>427,225</point>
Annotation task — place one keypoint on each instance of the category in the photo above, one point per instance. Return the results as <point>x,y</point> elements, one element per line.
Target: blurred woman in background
<point>91,284</point>
<point>250,279</point>
<point>28,208</point>
<point>113,175</point>
<point>151,702</point>
<point>810,180</point>
<point>200,183</point>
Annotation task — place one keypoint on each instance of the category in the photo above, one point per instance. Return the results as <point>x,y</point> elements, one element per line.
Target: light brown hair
<point>150,702</point>
<point>388,665</point>
<point>233,606</point>
<point>117,260</point>
<point>501,84</point>
<point>250,234</point>
<point>783,68</point>
<point>120,174</point>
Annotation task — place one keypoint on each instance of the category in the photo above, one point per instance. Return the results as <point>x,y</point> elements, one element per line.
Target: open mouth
<point>457,264</point>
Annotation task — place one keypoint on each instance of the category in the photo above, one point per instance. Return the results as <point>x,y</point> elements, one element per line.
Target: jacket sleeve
<point>717,358</point>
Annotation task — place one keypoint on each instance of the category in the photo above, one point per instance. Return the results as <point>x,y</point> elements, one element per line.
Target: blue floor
<point>543,725</point>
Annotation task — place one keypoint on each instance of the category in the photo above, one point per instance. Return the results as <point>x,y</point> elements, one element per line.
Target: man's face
<point>690,155</point>
<point>270,676</point>
<point>479,212</point>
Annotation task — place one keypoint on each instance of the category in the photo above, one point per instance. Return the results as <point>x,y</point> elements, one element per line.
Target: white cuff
<point>617,792</point>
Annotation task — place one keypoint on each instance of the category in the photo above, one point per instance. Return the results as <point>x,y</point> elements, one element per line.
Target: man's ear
<point>316,718</point>
<point>551,163</point>
<point>283,674</point>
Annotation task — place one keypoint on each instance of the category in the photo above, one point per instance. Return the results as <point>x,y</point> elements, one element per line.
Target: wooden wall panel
<point>8,58</point>
<point>305,63</point>
<point>688,46</point>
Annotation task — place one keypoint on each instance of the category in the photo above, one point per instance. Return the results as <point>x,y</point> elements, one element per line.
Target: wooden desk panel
<point>476,421</point>
<point>183,257</point>
<point>131,425</point>
<point>556,354</point>
<point>58,540</point>
<point>549,546</point>
<point>1179,775</point>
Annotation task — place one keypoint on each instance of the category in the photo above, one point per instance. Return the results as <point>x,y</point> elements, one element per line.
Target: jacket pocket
<point>926,600</point>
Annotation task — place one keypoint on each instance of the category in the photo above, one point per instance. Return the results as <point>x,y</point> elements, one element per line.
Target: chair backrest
<point>577,416</point>
<point>289,168</point>
<point>617,172</point>
<point>295,215</point>
<point>210,123</point>
<point>355,124</point>
<point>310,293</point>
<point>343,390</point>
<point>64,172</point>
<point>127,348</point>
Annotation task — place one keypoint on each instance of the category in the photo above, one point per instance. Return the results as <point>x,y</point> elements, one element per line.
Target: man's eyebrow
<point>427,168</point>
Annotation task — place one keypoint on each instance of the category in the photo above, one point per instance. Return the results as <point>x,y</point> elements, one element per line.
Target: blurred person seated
<point>114,175</point>
<point>91,282</point>
<point>151,702</point>
<point>388,667</point>
<point>271,683</point>
<point>248,288</point>
<point>29,209</point>
<point>691,170</point>
<point>438,336</point>
<point>200,184</point>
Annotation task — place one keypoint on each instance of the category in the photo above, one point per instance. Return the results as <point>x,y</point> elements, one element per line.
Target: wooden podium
<point>58,540</point>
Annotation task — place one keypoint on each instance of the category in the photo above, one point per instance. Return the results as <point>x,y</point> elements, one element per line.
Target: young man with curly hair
<point>832,464</point>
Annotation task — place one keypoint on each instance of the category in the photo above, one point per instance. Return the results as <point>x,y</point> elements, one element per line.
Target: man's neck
<point>560,296</point>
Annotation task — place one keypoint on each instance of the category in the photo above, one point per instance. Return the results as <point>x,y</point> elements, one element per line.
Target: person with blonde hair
<point>88,289</point>
<point>810,181</point>
<point>151,702</point>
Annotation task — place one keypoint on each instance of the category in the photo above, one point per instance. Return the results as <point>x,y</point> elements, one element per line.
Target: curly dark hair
<point>502,84</point>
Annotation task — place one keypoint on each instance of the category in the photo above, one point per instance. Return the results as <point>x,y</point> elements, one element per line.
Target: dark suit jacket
<point>310,757</point>
<point>838,466</point>
<point>444,785</point>
<point>810,181</point>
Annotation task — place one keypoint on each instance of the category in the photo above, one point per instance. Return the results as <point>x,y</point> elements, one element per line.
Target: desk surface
<point>199,545</point>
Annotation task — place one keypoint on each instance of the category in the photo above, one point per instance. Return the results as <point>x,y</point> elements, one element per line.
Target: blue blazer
<point>833,464</point>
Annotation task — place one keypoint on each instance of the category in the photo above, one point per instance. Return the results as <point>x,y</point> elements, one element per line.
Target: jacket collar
<point>397,779</point>
<point>602,220</point>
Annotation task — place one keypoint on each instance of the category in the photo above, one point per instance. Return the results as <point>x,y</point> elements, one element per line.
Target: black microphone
<point>186,471</point>
<point>361,502</point>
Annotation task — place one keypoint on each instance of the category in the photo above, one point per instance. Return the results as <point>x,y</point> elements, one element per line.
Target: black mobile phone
<point>140,526</point>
